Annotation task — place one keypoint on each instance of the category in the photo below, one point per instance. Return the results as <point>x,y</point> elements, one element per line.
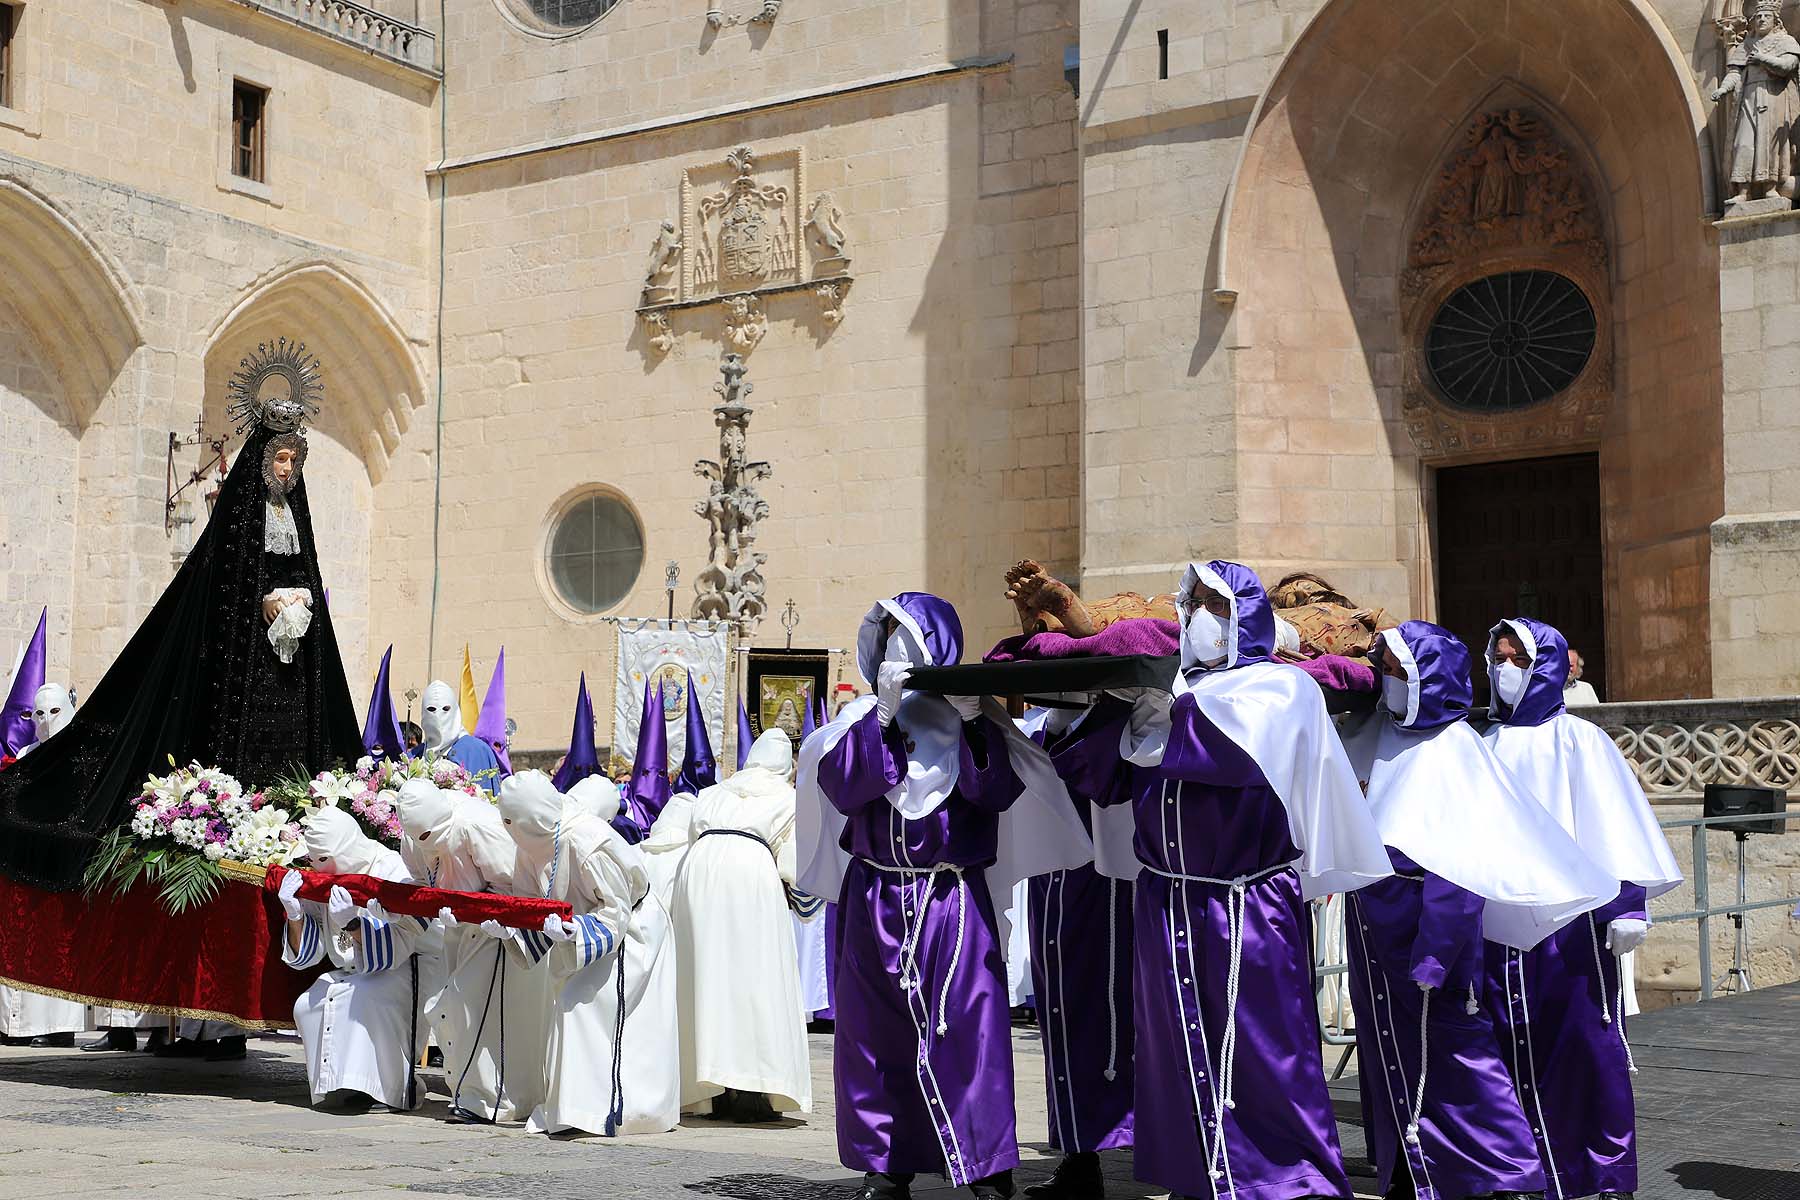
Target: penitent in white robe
<point>666,847</point>
<point>741,1024</point>
<point>607,1073</point>
<point>363,1022</point>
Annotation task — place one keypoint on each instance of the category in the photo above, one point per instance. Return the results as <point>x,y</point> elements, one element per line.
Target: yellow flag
<point>471,707</point>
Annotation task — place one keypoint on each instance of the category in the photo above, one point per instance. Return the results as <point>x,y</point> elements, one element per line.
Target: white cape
<point>1040,833</point>
<point>1572,768</point>
<point>1441,798</point>
<point>1115,827</point>
<point>1276,714</point>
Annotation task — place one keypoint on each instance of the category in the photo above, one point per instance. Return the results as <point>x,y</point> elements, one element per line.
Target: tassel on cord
<point>1473,1006</point>
<point>1112,995</point>
<point>1599,971</point>
<point>1412,1130</point>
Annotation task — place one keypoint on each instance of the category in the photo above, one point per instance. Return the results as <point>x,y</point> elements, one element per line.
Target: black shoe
<point>15,1041</point>
<point>181,1048</point>
<point>434,1058</point>
<point>156,1041</point>
<point>721,1106</point>
<point>54,1041</point>
<point>1077,1177</point>
<point>226,1049</point>
<point>114,1039</point>
<point>877,1186</point>
<point>994,1187</point>
<point>1616,1196</point>
<point>752,1108</point>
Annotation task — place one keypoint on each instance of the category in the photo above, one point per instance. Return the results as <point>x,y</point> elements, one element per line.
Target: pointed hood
<point>745,737</point>
<point>698,767</point>
<point>16,729</point>
<point>381,731</point>
<point>582,759</point>
<point>470,706</point>
<point>490,726</point>
<point>649,789</point>
<point>1549,651</point>
<point>808,722</point>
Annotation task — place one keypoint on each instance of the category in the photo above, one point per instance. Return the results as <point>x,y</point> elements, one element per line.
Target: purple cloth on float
<point>1413,929</point>
<point>1081,963</point>
<point>948,1110</point>
<point>1567,1060</point>
<point>1336,673</point>
<point>1207,812</point>
<point>1134,635</point>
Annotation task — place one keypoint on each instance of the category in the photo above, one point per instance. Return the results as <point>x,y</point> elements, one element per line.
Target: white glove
<point>339,904</point>
<point>889,681</point>
<point>1150,709</point>
<point>375,912</point>
<point>967,707</point>
<point>1626,934</point>
<point>495,929</point>
<point>288,894</point>
<point>446,918</point>
<point>559,930</point>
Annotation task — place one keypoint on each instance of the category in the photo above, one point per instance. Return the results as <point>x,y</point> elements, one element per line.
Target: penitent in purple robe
<point>1081,962</point>
<point>1557,1007</point>
<point>924,1075</point>
<point>1563,1038</point>
<point>1420,929</point>
<point>1231,1098</point>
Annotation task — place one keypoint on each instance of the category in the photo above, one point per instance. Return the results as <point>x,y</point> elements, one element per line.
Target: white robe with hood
<point>741,1021</point>
<point>362,1023</point>
<point>612,1067</point>
<point>492,1018</point>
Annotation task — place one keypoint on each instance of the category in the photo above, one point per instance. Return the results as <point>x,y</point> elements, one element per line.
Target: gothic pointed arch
<point>374,380</point>
<point>77,304</point>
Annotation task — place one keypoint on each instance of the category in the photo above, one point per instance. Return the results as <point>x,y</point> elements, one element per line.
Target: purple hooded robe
<point>1230,1097</point>
<point>1419,930</point>
<point>923,1073</point>
<point>1556,1007</point>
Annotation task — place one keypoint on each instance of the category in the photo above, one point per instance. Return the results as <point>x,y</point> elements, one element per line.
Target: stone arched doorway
<point>68,328</point>
<point>372,384</point>
<point>1339,417</point>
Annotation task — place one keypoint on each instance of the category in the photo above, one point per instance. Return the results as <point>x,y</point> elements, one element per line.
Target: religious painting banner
<point>782,684</point>
<point>665,652</point>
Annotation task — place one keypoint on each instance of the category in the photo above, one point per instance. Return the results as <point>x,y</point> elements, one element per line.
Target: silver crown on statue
<point>254,403</point>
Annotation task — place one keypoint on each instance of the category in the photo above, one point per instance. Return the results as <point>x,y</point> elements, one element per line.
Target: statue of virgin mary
<point>235,667</point>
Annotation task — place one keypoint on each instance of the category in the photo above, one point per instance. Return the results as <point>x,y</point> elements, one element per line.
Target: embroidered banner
<point>782,684</point>
<point>665,652</point>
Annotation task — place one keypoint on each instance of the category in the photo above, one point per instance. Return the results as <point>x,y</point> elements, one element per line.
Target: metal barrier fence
<point>1337,1022</point>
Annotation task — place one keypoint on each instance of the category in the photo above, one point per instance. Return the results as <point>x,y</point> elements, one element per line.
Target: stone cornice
<point>871,83</point>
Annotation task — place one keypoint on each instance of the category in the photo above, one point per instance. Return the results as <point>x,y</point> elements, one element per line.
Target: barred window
<point>1509,341</point>
<point>249,105</point>
<point>569,14</point>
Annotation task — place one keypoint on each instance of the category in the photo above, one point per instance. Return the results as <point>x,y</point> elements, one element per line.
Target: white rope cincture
<point>1473,1007</point>
<point>1599,971</point>
<point>1630,1062</point>
<point>1112,991</point>
<point>1236,902</point>
<point>909,946</point>
<point>1418,1113</point>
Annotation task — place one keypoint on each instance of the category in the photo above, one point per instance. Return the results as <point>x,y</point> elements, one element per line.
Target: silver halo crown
<point>291,362</point>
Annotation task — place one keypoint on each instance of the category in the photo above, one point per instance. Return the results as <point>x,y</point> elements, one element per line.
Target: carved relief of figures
<point>824,227</point>
<point>665,261</point>
<point>1510,185</point>
<point>745,321</point>
<point>1761,66</point>
<point>731,586</point>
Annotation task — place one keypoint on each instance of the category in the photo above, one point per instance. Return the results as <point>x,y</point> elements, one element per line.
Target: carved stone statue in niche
<point>1510,186</point>
<point>665,260</point>
<point>1760,75</point>
<point>824,227</point>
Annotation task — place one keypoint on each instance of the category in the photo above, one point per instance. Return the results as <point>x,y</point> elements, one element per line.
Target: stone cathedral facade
<point>1471,307</point>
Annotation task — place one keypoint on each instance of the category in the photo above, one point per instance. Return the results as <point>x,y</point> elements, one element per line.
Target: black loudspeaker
<point>1729,800</point>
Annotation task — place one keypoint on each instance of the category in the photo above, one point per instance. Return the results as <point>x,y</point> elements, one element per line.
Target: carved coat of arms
<point>744,235</point>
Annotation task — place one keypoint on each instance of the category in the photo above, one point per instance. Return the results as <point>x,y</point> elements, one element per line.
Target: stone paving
<point>76,1125</point>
